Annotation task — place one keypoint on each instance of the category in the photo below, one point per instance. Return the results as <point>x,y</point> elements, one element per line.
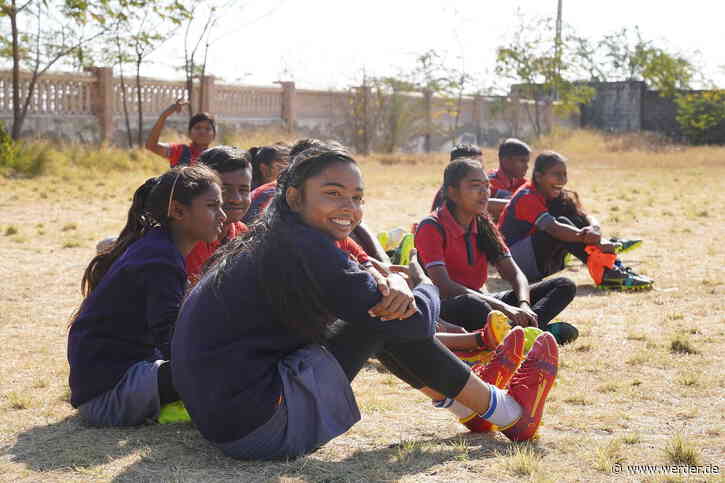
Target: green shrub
<point>701,115</point>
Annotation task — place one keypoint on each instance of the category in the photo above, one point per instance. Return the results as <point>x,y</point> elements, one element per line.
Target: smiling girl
<point>119,341</point>
<point>544,221</point>
<point>456,245</point>
<point>267,344</point>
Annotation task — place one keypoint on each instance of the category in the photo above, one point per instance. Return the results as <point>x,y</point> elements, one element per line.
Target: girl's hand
<point>177,106</point>
<point>416,274</point>
<point>523,316</point>
<point>380,280</point>
<point>398,304</point>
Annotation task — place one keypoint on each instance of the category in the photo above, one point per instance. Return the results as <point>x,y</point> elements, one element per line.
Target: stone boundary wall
<point>88,107</point>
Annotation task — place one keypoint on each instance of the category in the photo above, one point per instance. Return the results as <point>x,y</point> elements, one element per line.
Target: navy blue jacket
<point>227,344</point>
<point>128,318</point>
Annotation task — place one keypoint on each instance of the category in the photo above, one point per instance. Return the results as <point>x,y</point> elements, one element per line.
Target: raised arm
<point>152,143</point>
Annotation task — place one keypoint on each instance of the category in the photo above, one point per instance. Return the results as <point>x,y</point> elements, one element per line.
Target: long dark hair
<point>265,155</point>
<point>567,203</point>
<point>489,238</point>
<point>150,209</point>
<point>288,285</point>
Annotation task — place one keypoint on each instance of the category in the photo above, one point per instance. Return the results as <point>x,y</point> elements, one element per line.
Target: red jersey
<point>502,185</point>
<point>201,252</point>
<point>183,154</point>
<point>457,250</point>
<point>524,214</point>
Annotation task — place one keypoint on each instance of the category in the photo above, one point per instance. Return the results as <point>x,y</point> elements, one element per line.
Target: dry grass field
<point>644,384</point>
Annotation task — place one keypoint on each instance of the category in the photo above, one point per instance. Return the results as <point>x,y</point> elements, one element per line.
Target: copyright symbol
<point>617,468</point>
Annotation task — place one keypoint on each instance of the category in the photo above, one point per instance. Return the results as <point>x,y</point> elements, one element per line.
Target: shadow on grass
<point>178,452</point>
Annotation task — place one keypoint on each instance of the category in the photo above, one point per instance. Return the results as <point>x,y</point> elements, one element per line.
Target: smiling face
<point>202,133</point>
<point>236,187</point>
<point>515,166</point>
<point>330,201</point>
<point>203,219</point>
<point>471,194</point>
<point>551,182</point>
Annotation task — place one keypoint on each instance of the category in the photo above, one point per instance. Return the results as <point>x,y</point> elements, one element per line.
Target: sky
<point>323,44</point>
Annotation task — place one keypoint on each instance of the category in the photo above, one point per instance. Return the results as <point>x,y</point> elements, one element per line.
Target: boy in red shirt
<point>235,171</point>
<point>202,131</point>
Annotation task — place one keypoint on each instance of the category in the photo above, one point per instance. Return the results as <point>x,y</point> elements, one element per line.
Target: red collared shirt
<point>502,185</point>
<point>202,251</point>
<point>524,214</point>
<point>459,252</point>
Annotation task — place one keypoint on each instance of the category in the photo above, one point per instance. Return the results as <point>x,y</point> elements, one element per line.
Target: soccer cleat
<point>495,330</point>
<point>624,245</point>
<point>530,335</point>
<point>505,361</point>
<point>406,245</point>
<point>174,412</point>
<point>623,278</point>
<point>493,333</point>
<point>498,372</point>
<point>530,386</point>
<point>563,332</point>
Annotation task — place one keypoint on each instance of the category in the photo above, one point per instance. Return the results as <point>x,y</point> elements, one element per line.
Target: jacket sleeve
<point>350,292</point>
<point>164,289</point>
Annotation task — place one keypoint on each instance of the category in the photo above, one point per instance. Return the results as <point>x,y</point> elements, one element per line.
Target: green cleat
<point>174,412</point>
<point>563,332</point>
<point>406,245</point>
<point>624,278</point>
<point>624,245</point>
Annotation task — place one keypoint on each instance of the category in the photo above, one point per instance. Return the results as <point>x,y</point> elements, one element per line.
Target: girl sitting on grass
<point>457,243</point>
<point>119,342</point>
<point>268,342</point>
<point>543,222</point>
<point>202,131</point>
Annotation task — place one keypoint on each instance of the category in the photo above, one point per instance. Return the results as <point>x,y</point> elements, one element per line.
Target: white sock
<point>503,410</point>
<point>458,409</point>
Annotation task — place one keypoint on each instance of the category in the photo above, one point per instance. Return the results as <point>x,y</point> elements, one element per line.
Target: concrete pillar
<point>103,105</point>
<point>428,112</point>
<point>289,105</point>
<point>206,94</point>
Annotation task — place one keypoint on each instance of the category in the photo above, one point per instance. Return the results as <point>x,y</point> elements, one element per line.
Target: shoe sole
<point>633,246</point>
<point>496,329</point>
<point>546,363</point>
<point>624,288</point>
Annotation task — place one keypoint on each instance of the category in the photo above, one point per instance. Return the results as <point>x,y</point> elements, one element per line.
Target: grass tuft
<point>606,457</point>
<point>679,451</point>
<point>522,460</point>
<point>681,345</point>
<point>11,230</point>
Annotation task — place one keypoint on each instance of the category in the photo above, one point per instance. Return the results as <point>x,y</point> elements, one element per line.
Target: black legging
<point>167,392</point>
<point>423,362</point>
<point>549,251</point>
<point>548,299</point>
